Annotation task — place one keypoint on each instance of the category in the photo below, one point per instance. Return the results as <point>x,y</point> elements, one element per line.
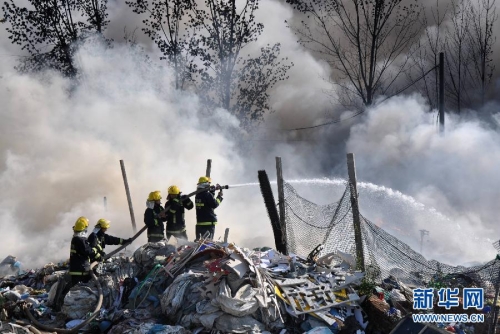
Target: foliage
<point>230,80</point>
<point>368,283</point>
<point>165,26</point>
<point>51,30</point>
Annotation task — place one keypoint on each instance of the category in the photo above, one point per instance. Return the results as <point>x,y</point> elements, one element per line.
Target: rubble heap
<point>207,286</point>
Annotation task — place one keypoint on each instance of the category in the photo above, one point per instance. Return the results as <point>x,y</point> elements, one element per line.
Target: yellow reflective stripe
<point>206,223</point>
<point>72,251</point>
<point>173,211</point>
<point>99,246</point>
<point>200,204</point>
<point>218,200</point>
<point>155,235</point>
<point>79,273</point>
<point>177,231</point>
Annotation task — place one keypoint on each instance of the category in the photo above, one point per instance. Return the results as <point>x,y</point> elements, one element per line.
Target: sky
<point>60,152</point>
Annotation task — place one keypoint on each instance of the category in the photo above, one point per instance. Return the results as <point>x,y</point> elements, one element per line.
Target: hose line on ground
<point>83,324</point>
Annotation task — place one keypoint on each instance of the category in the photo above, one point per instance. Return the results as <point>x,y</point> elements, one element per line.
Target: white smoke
<point>61,145</point>
<point>397,145</point>
<point>60,148</point>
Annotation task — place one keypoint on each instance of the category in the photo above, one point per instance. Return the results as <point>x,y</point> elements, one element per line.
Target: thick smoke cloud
<point>60,148</point>
<point>397,145</point>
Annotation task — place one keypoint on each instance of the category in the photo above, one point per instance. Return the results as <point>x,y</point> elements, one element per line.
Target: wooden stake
<point>351,169</point>
<point>209,167</point>
<point>131,209</point>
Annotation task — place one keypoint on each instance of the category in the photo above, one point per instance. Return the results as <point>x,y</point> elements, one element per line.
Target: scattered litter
<point>213,286</point>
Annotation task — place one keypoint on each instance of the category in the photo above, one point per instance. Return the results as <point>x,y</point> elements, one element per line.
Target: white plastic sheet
<point>79,301</point>
<point>243,303</point>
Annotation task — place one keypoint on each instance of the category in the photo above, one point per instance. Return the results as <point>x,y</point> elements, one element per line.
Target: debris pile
<point>195,287</point>
<point>210,286</point>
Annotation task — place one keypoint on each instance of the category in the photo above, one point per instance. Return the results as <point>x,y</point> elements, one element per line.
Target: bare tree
<point>469,52</point>
<point>426,56</point>
<point>458,54</point>
<point>464,30</point>
<point>230,80</point>
<point>166,26</point>
<point>483,18</point>
<point>364,41</point>
<point>51,30</point>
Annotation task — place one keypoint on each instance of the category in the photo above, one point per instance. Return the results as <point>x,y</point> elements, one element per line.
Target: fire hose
<point>83,324</point>
<point>211,188</point>
<point>98,284</point>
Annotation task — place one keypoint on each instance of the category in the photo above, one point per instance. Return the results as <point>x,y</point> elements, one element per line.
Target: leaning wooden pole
<point>351,169</point>
<point>281,200</point>
<point>209,167</point>
<point>131,209</point>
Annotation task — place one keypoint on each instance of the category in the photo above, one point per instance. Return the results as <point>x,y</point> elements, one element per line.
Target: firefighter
<point>206,202</point>
<point>176,203</point>
<point>81,252</point>
<point>154,217</point>
<point>99,239</point>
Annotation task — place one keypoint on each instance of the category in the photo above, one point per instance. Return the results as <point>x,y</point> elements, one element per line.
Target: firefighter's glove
<point>220,194</point>
<point>103,254</point>
<point>184,198</point>
<point>129,241</point>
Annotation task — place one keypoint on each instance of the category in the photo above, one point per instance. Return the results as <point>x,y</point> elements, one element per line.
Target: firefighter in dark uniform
<point>99,238</point>
<point>81,253</point>
<point>174,209</point>
<point>206,202</point>
<point>154,217</point>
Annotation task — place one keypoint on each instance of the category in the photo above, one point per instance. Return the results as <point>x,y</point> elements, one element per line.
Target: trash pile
<point>192,287</point>
<point>203,287</point>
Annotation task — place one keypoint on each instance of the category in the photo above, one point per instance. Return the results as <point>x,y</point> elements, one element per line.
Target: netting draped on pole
<point>309,224</point>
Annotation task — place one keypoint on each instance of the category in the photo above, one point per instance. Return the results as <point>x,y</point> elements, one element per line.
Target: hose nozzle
<point>219,187</point>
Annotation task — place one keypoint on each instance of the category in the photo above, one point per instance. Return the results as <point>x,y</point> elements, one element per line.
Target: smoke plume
<point>60,147</point>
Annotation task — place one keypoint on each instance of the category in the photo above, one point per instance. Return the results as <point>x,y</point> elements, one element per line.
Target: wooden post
<point>131,209</point>
<point>281,200</point>
<point>351,169</point>
<point>226,234</point>
<point>495,310</point>
<point>441,92</point>
<point>209,167</point>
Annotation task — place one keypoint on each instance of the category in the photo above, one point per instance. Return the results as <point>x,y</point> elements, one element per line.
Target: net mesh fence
<point>308,225</point>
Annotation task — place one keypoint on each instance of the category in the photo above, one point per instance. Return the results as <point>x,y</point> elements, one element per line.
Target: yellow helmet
<point>103,223</point>
<point>174,190</point>
<point>204,179</point>
<point>81,224</point>
<point>154,196</point>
